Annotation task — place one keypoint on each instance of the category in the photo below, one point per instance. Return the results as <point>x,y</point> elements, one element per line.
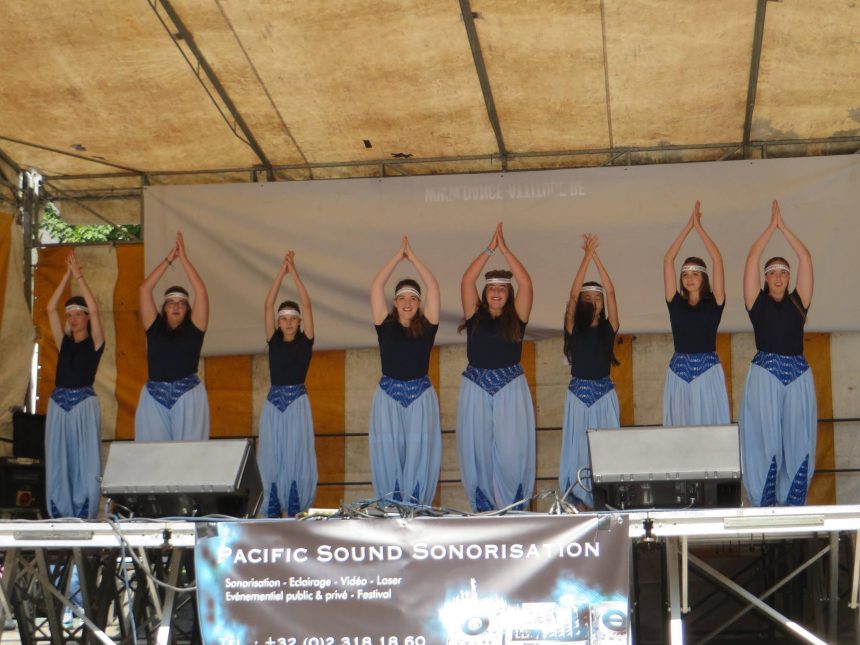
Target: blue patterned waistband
<point>169,392</point>
<point>493,380</point>
<point>785,368</point>
<point>68,397</point>
<point>589,391</point>
<point>691,366</point>
<point>404,392</point>
<point>281,396</point>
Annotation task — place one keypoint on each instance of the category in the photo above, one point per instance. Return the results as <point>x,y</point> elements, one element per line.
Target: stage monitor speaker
<point>184,478</point>
<point>682,467</point>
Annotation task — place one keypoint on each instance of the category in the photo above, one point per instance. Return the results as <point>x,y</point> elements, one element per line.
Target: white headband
<point>694,267</point>
<point>591,287</point>
<point>285,313</point>
<point>777,266</point>
<point>77,308</point>
<point>175,295</point>
<point>407,289</point>
<point>498,281</point>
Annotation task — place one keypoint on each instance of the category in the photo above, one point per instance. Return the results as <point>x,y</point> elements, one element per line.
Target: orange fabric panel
<point>433,372</point>
<point>49,273</point>
<point>131,371</point>
<point>230,388</point>
<point>5,248</point>
<point>434,377</point>
<point>622,376</point>
<point>326,384</point>
<point>816,348</point>
<point>724,351</point>
<point>529,363</point>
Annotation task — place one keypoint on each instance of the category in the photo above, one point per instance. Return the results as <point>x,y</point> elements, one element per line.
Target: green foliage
<point>58,230</point>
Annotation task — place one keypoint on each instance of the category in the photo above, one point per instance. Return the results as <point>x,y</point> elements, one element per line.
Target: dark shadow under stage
<point>718,576</point>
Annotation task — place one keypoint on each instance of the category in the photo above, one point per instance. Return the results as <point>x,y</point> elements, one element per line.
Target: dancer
<point>778,421</point>
<point>173,404</point>
<point>405,435</point>
<point>73,426</point>
<point>495,415</point>
<point>695,390</point>
<point>590,326</point>
<point>288,460</point>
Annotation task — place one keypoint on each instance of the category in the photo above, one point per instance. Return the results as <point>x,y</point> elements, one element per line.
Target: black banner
<point>525,579</point>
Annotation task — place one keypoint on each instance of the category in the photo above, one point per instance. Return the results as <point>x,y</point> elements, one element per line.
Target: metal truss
<point>757,530</point>
<point>108,589</point>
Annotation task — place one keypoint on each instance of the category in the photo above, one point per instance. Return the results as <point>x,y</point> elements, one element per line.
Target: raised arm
<point>96,330</point>
<point>468,290</point>
<point>433,298</point>
<point>752,280</point>
<point>525,292</point>
<point>269,305</point>
<point>804,283</point>
<point>718,281</point>
<point>578,279</point>
<point>304,297</point>
<point>378,303</point>
<point>200,306</point>
<point>609,293</point>
<point>52,308</point>
<point>148,309</point>
<point>669,278</point>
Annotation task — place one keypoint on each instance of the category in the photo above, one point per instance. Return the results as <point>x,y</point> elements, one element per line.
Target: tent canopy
<point>105,97</point>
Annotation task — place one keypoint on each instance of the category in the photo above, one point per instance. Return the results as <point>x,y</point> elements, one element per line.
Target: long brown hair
<point>419,322</point>
<point>705,289</point>
<point>793,297</point>
<point>510,320</point>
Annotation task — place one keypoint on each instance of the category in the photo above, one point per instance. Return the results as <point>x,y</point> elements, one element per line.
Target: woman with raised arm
<point>495,415</point>
<point>778,420</point>
<point>73,426</point>
<point>695,391</point>
<point>288,460</point>
<point>173,404</point>
<point>405,434</point>
<point>590,326</point>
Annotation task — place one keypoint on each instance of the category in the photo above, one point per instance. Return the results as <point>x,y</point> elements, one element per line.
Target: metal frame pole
<point>676,626</point>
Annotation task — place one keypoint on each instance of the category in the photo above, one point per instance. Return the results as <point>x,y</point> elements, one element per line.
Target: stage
<point>134,573</point>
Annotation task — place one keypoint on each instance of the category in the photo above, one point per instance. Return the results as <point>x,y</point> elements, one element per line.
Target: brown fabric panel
<point>131,371</point>
<point>5,248</point>
<point>326,383</point>
<point>433,372</point>
<point>529,363</point>
<point>622,376</point>
<point>724,351</point>
<point>49,273</point>
<point>229,384</point>
<point>816,348</point>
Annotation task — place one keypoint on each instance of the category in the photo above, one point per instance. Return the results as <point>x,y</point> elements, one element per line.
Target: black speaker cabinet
<point>28,435</point>
<point>683,467</point>
<point>183,478</point>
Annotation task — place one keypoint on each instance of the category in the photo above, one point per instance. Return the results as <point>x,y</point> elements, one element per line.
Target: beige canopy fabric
<point>103,98</point>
